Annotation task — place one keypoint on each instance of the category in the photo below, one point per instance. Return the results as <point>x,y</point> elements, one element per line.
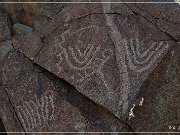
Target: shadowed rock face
<point>160,110</point>
<point>4,27</point>
<point>43,102</point>
<point>2,129</point>
<point>118,62</point>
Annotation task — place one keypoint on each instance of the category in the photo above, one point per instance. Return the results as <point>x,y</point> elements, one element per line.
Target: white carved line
<point>146,55</point>
<point>149,60</point>
<point>34,111</point>
<point>52,104</point>
<point>141,102</point>
<point>36,106</point>
<point>121,59</point>
<point>87,59</point>
<point>101,74</point>
<point>131,114</point>
<point>143,54</point>
<point>42,109</point>
<point>46,108</point>
<point>87,52</point>
<point>21,118</point>
<point>89,55</point>
<point>36,114</point>
<point>30,112</point>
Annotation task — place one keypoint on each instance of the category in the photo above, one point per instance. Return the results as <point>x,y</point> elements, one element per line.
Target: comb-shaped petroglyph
<point>36,113</point>
<point>140,62</point>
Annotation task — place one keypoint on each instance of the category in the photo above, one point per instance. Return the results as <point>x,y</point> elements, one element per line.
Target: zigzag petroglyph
<point>139,62</point>
<point>34,115</point>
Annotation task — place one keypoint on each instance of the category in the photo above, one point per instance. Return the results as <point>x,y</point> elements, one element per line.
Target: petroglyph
<point>81,59</point>
<point>131,114</point>
<point>140,62</point>
<point>121,60</point>
<point>84,57</point>
<point>129,49</point>
<point>34,115</point>
<point>141,102</point>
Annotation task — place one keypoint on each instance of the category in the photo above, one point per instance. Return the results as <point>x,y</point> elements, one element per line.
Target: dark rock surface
<point>108,68</point>
<point>2,128</point>
<point>20,29</point>
<point>31,46</point>
<point>5,47</point>
<point>4,27</point>
<point>161,91</point>
<point>43,102</point>
<point>164,16</point>
<point>91,67</point>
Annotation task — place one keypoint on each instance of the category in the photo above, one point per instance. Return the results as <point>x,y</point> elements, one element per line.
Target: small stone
<point>5,47</point>
<point>20,29</point>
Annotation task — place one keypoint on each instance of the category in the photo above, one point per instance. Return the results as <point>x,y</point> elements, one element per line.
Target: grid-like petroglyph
<point>36,113</point>
<point>142,61</point>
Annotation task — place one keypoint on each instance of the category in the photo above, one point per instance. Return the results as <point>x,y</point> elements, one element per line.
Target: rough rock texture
<point>164,16</point>
<point>20,29</point>
<point>108,68</point>
<point>5,47</point>
<point>2,128</point>
<point>92,67</point>
<point>31,46</point>
<point>43,102</point>
<point>161,91</point>
<point>4,27</point>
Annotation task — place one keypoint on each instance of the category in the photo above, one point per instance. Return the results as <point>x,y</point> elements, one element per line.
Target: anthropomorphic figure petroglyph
<point>86,58</point>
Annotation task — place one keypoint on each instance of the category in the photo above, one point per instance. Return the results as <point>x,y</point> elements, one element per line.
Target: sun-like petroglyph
<point>139,62</point>
<point>82,56</point>
<point>35,114</point>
